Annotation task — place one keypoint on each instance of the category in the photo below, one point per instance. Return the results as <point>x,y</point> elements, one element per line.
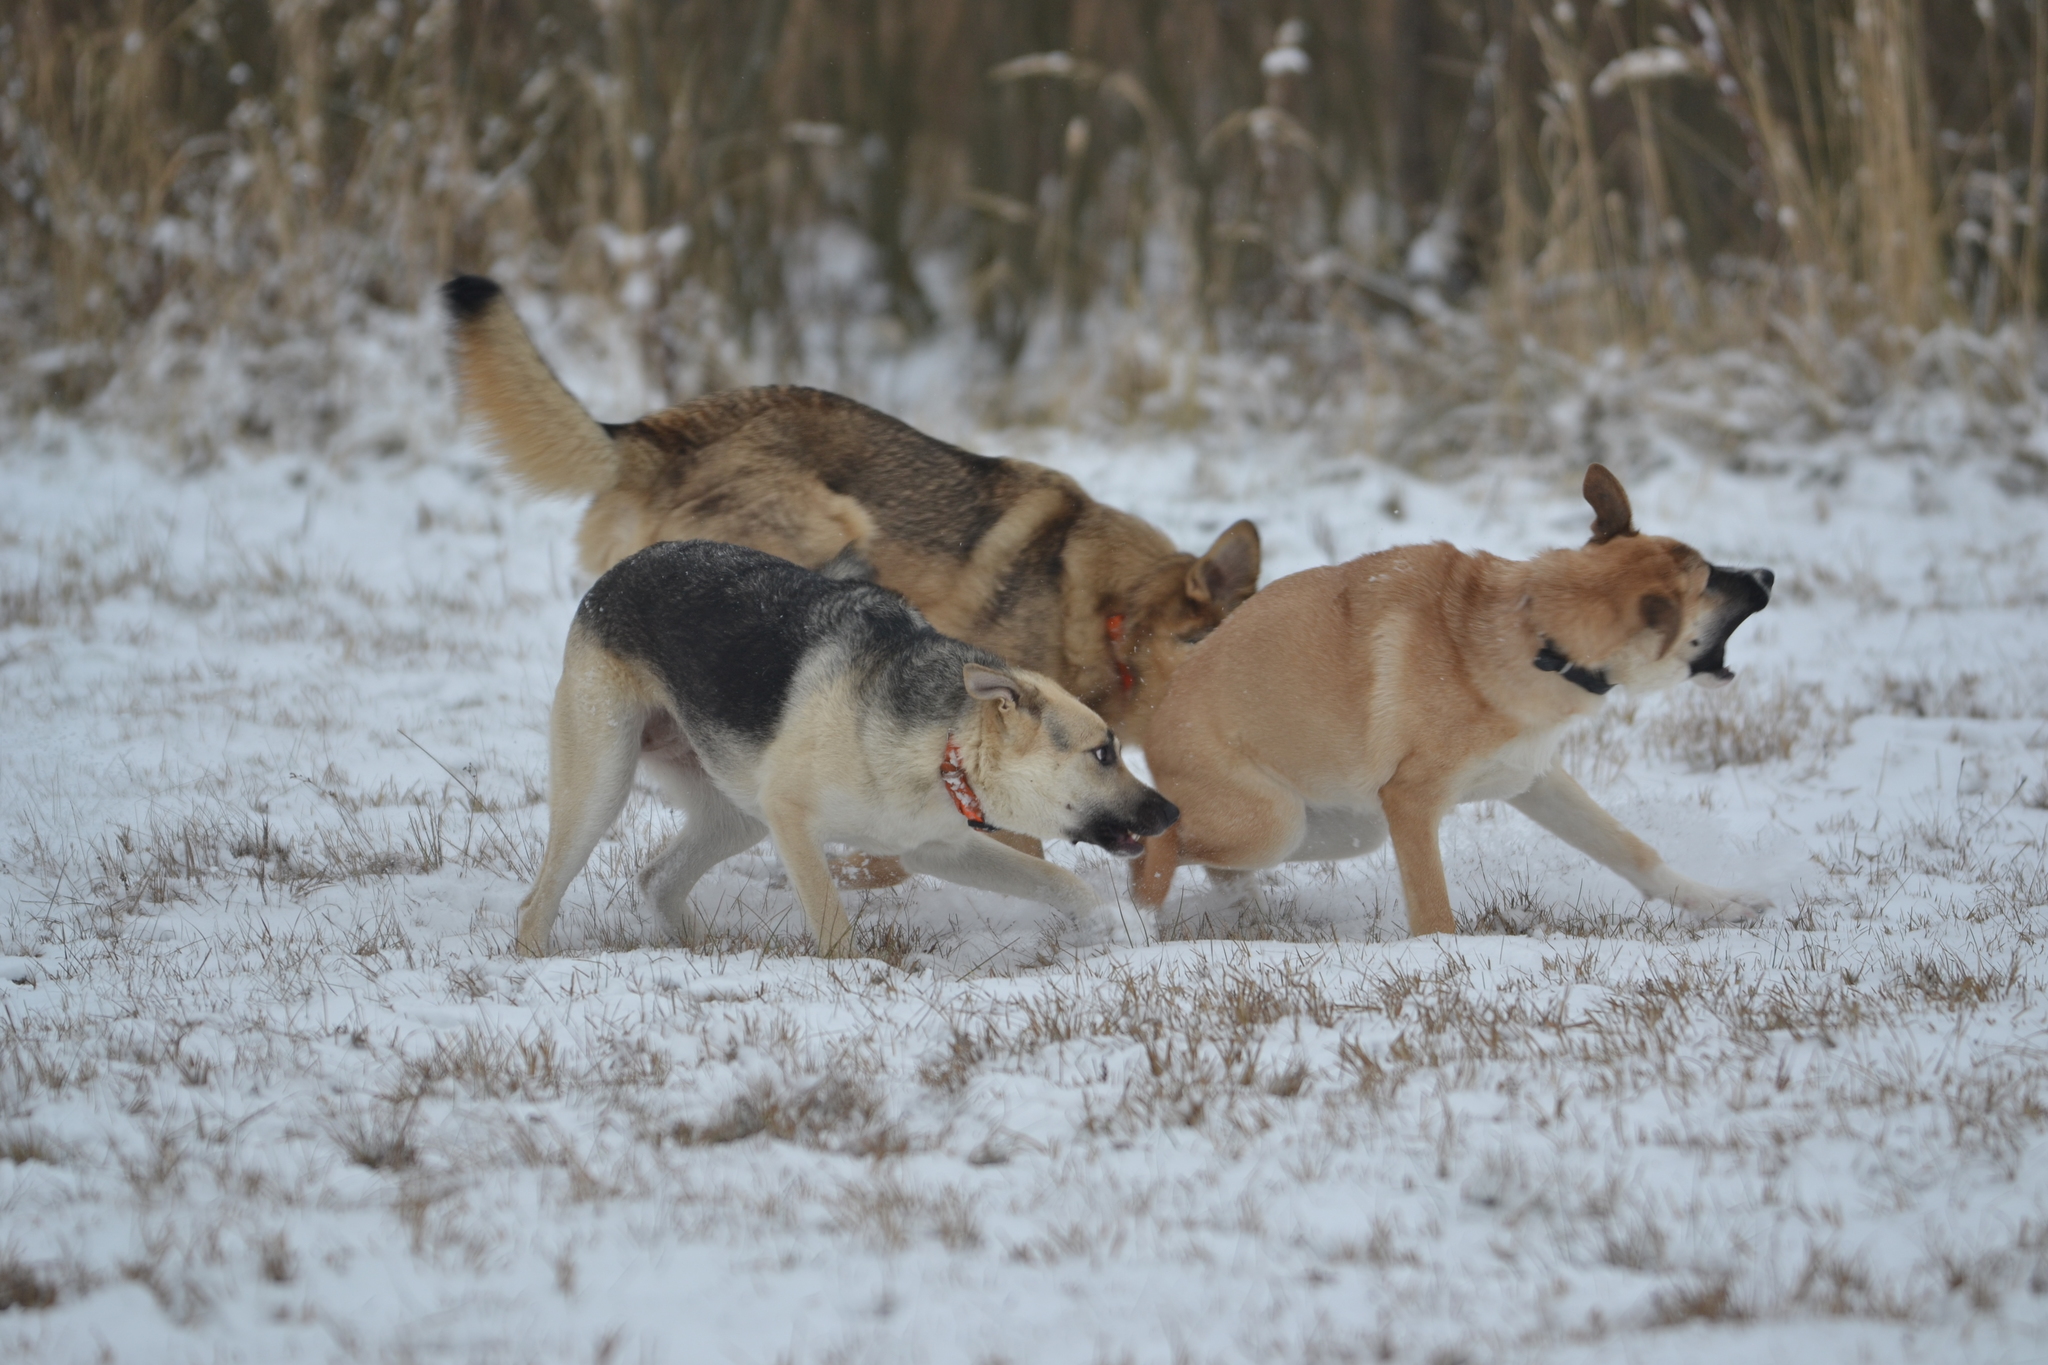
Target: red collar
<point>1115,628</point>
<point>958,787</point>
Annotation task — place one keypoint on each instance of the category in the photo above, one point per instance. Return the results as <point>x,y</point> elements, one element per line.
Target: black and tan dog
<point>769,700</point>
<point>1007,555</point>
<point>1346,705</point>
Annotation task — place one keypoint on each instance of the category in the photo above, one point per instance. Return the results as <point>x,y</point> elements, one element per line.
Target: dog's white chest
<point>871,822</point>
<point>1508,770</point>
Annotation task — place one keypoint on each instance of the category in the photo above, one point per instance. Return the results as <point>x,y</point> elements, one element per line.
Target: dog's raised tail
<point>546,439</point>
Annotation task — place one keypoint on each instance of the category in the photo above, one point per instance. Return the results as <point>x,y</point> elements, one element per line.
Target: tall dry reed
<point>1639,173</point>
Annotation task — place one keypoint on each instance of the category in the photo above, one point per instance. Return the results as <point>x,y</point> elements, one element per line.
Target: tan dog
<point>1006,555</point>
<point>1346,705</point>
<point>770,701</point>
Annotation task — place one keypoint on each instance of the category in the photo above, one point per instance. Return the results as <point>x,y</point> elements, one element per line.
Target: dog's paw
<point>1066,892</point>
<point>1111,926</point>
<point>1711,904</point>
<point>1092,929</point>
<point>676,914</point>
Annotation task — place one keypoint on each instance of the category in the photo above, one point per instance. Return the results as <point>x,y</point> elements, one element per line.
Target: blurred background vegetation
<point>1081,197</point>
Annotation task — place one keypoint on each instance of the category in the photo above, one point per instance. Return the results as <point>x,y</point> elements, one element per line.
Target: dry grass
<point>889,1216</point>
<point>378,1137</point>
<point>1756,720</point>
<point>1753,721</point>
<point>832,1113</point>
<point>759,194</point>
<point>1711,1300</point>
<point>21,1286</point>
<point>269,1032</point>
<point>1492,1071</point>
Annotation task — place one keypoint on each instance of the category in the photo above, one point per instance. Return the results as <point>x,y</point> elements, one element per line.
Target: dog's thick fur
<point>1346,705</point>
<point>769,700</point>
<point>1007,555</point>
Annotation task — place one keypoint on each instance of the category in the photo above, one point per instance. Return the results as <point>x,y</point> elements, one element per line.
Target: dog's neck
<point>1552,660</point>
<point>954,776</point>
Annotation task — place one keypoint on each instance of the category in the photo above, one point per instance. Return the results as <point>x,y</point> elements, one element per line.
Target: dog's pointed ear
<point>1229,572</point>
<point>1660,614</point>
<point>991,684</point>
<point>1611,514</point>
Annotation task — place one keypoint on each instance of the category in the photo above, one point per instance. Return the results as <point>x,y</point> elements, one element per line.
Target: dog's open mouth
<point>1747,591</point>
<point>1125,835</point>
<point>1119,839</point>
<point>1711,668</point>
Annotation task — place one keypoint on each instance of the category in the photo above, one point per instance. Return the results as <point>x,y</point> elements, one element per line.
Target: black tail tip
<point>468,295</point>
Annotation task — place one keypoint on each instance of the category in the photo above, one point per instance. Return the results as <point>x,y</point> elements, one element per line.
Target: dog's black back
<point>728,629</point>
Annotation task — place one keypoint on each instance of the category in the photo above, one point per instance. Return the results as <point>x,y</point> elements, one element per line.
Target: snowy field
<point>273,1087</point>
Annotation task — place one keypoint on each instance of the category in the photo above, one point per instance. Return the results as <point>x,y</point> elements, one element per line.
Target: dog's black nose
<point>1750,587</point>
<point>1156,815</point>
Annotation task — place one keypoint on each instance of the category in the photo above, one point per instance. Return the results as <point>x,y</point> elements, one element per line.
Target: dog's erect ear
<point>1660,614</point>
<point>989,684</point>
<point>1229,572</point>
<point>1611,514</point>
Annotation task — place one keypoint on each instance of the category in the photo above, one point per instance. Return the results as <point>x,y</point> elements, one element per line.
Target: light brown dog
<point>1347,705</point>
<point>1006,555</point>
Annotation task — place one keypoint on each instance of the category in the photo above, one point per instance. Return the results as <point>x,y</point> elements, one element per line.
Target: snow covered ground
<point>273,1087</point>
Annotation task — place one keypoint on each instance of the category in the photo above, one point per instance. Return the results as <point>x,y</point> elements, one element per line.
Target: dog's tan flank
<point>1004,554</point>
<point>1348,705</point>
<point>767,700</point>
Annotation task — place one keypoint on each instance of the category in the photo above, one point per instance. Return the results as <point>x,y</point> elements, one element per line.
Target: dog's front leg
<point>1559,804</point>
<point>874,871</point>
<point>1023,843</point>
<point>804,857</point>
<point>994,866</point>
<point>1414,809</point>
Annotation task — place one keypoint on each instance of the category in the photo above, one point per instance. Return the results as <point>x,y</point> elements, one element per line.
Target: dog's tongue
<point>1126,845</point>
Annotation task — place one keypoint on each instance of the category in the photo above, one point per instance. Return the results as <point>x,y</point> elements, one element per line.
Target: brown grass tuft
<point>1759,173</point>
<point>834,1113</point>
<point>22,1286</point>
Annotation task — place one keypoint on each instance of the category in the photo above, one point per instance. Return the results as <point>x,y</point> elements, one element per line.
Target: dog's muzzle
<point>1124,832</point>
<point>1746,592</point>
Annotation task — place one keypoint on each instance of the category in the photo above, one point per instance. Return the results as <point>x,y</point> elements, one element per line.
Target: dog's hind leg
<point>1559,804</point>
<point>738,497</point>
<point>593,747</point>
<point>716,830</point>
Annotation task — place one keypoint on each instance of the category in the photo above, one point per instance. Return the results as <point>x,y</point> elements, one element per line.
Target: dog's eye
<point>1105,754</point>
<point>1194,637</point>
